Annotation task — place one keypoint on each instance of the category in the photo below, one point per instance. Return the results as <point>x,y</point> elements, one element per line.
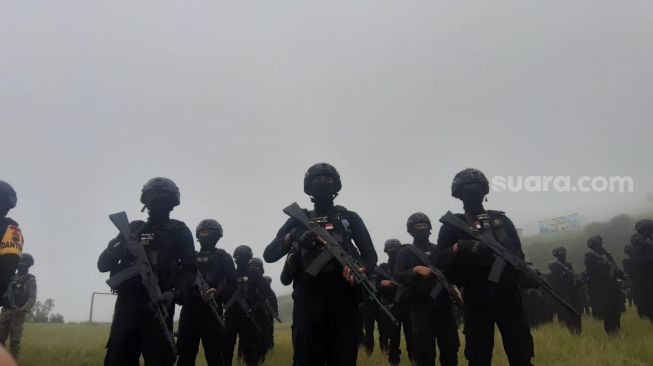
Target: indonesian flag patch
<point>328,226</point>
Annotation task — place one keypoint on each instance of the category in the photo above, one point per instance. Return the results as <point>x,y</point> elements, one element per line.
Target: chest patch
<point>146,238</point>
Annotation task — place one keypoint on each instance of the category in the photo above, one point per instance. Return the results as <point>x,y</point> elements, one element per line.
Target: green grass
<point>83,345</point>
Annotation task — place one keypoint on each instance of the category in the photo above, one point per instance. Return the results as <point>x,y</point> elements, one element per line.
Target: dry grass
<point>82,345</point>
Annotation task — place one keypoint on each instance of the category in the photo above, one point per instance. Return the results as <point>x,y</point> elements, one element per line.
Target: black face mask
<point>472,194</point>
<point>562,257</point>
<point>323,190</point>
<point>597,247</point>
<point>208,242</point>
<point>210,238</point>
<point>159,204</point>
<point>22,269</point>
<point>421,234</point>
<point>392,253</point>
<point>242,262</point>
<point>256,269</point>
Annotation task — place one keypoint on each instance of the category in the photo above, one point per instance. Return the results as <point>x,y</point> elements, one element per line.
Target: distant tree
<point>56,318</point>
<point>41,311</point>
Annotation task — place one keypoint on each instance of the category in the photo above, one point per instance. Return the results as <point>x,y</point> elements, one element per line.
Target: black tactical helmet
<point>27,259</point>
<point>321,169</point>
<point>391,244</point>
<point>161,184</point>
<point>256,263</point>
<point>243,251</point>
<point>8,194</point>
<point>208,224</point>
<point>415,218</point>
<point>558,250</point>
<point>594,239</point>
<point>468,176</point>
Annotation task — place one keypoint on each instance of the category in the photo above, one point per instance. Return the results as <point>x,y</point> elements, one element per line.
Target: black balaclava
<point>208,242</point>
<point>324,193</point>
<point>595,243</point>
<point>159,205</point>
<point>23,268</point>
<point>420,235</point>
<point>241,262</point>
<point>472,195</point>
<point>392,256</point>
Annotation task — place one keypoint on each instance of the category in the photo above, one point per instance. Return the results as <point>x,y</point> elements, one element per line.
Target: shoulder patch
<point>12,241</point>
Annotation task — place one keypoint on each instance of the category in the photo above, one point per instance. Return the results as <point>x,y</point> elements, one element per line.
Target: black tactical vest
<point>21,289</point>
<point>158,240</point>
<point>338,226</point>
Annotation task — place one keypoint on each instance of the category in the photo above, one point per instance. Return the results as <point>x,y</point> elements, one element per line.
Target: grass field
<point>82,345</point>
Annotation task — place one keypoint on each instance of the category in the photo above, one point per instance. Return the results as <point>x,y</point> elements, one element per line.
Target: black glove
<point>304,238</point>
<point>470,246</point>
<point>117,248</point>
<point>167,298</point>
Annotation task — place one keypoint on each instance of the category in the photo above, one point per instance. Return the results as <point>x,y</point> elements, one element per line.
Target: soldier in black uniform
<point>489,300</point>
<point>538,305</point>
<point>245,314</point>
<point>568,286</point>
<point>324,314</point>
<point>11,246</point>
<point>273,310</point>
<point>606,298</point>
<point>270,306</point>
<point>197,322</point>
<point>169,246</point>
<point>391,292</point>
<point>431,319</point>
<point>641,260</point>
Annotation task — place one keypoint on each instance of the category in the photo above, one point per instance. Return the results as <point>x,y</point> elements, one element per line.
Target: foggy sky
<point>235,100</point>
